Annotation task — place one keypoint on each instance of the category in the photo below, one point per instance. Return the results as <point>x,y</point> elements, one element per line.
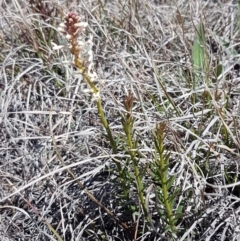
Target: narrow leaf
<point>198,51</point>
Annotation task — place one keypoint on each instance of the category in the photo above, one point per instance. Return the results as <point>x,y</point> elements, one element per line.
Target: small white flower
<point>93,76</point>
<point>80,43</point>
<point>68,36</point>
<point>62,25</point>
<point>96,96</point>
<point>102,81</point>
<point>79,71</point>
<point>61,28</point>
<point>81,25</point>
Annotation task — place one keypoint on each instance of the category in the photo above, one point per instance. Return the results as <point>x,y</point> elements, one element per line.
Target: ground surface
<point>140,47</point>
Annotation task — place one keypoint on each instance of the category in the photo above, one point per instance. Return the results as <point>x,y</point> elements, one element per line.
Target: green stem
<point>81,67</point>
<point>114,146</point>
<point>164,179</point>
<point>162,163</point>
<point>127,123</point>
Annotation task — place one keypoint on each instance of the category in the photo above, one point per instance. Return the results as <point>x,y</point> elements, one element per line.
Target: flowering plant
<point>72,28</point>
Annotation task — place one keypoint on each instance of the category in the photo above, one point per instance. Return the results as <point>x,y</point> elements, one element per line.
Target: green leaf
<point>177,216</point>
<point>179,210</point>
<point>219,69</point>
<point>198,51</point>
<point>170,182</point>
<point>172,198</point>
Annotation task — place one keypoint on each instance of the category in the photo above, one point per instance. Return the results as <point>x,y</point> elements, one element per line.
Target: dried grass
<point>142,47</point>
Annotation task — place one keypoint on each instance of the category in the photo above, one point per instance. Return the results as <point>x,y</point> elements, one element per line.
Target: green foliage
<point>166,194</point>
<point>200,62</point>
<point>131,145</point>
<point>199,56</point>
